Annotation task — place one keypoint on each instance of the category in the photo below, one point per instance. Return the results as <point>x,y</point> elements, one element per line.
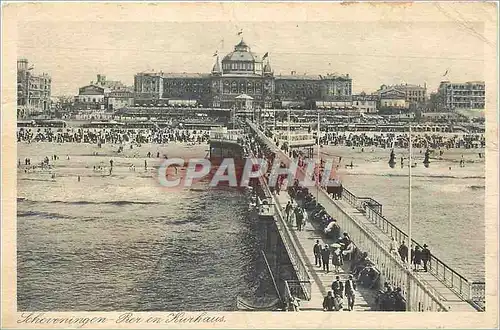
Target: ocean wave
<point>117,203</point>
<point>50,215</point>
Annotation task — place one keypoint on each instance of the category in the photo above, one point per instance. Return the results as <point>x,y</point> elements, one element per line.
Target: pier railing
<point>361,203</point>
<point>290,245</point>
<point>420,297</point>
<point>478,295</point>
<point>295,289</point>
<point>444,273</point>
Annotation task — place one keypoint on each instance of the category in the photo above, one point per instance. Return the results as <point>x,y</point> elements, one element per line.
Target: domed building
<point>242,60</point>
<point>242,74</point>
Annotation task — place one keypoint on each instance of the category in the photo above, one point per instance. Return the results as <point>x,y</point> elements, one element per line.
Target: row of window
<point>241,90</point>
<point>90,99</point>
<point>39,87</point>
<point>339,92</point>
<point>242,84</point>
<point>415,93</point>
<point>480,87</point>
<point>240,66</point>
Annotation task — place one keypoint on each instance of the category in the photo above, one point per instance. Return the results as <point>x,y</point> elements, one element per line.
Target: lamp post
<point>408,300</point>
<point>288,139</point>
<point>408,278</point>
<point>319,164</point>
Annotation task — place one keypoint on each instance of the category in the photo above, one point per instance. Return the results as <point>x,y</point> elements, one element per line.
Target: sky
<point>373,53</point>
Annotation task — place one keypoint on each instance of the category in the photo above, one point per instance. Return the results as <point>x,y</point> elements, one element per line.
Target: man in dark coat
<point>317,253</point>
<point>325,257</point>
<point>288,209</point>
<point>329,302</point>
<point>338,287</point>
<point>350,288</point>
<point>403,251</point>
<point>299,217</point>
<point>416,257</point>
<point>426,256</point>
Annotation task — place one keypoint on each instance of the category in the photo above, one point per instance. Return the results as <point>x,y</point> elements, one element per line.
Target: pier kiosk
<point>297,140</point>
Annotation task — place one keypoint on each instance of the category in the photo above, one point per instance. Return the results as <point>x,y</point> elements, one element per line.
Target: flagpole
<point>289,149</point>
<point>319,165</point>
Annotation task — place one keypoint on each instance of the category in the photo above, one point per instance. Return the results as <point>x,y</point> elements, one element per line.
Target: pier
<point>440,289</point>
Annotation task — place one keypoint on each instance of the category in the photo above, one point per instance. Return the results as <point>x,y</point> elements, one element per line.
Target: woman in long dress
<point>337,260</point>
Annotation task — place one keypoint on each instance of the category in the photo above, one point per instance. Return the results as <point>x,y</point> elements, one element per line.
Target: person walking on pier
<point>299,217</point>
<point>317,253</point>
<point>337,260</point>
<point>426,256</point>
<point>325,257</point>
<point>288,209</point>
<point>403,251</point>
<point>338,287</point>
<point>350,288</point>
<point>416,256</point>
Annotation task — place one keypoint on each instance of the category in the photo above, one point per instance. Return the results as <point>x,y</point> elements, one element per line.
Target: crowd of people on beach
<point>391,140</point>
<point>101,136</point>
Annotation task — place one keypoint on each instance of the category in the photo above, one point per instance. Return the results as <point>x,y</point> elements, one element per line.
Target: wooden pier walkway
<point>322,281</point>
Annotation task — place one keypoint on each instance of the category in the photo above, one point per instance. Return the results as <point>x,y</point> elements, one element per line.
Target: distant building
<point>90,97</point>
<point>414,94</point>
<point>104,95</point>
<point>110,85</point>
<point>33,90</point>
<point>148,87</point>
<point>365,103</point>
<point>119,99</point>
<point>393,100</point>
<point>241,72</point>
<point>468,95</point>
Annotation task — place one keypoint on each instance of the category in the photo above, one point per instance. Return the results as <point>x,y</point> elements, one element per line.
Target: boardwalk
<point>447,296</point>
<point>321,281</point>
<point>306,239</point>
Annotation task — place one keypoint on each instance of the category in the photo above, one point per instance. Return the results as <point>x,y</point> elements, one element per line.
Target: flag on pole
<point>216,53</point>
<point>265,56</point>
<point>241,32</point>
<point>445,73</point>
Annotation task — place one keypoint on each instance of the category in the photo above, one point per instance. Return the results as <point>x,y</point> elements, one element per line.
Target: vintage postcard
<point>249,165</point>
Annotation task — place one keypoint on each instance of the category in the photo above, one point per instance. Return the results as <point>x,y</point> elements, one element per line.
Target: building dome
<point>242,60</point>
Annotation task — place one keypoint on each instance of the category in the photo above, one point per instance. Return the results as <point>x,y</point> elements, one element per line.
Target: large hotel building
<point>468,95</point>
<point>33,90</point>
<point>243,74</point>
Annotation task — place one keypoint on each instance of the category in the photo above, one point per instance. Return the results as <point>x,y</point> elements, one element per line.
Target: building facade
<point>241,72</point>
<point>392,101</point>
<point>104,94</point>
<point>365,103</point>
<point>119,99</point>
<point>414,94</point>
<point>90,97</point>
<point>468,95</point>
<point>33,90</point>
